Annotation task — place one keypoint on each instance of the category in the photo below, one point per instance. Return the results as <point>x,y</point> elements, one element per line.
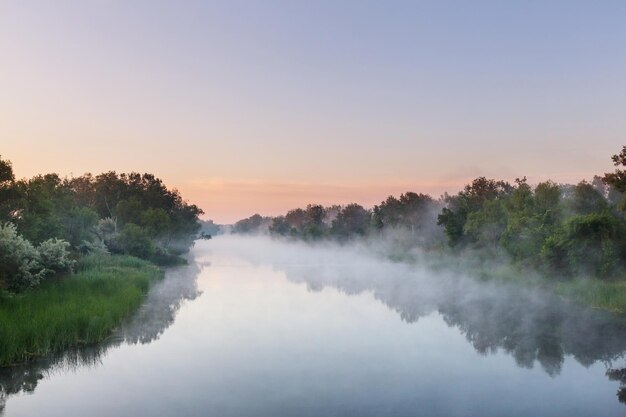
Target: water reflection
<point>258,343</point>
<point>148,324</point>
<point>529,324</point>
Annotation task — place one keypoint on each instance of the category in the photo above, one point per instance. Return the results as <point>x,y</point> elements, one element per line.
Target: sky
<point>262,106</point>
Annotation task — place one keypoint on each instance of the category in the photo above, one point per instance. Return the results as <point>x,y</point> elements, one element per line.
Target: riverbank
<point>73,310</point>
<point>604,294</point>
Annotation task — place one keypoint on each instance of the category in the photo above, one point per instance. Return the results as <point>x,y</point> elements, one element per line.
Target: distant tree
<point>331,213</point>
<point>411,211</point>
<point>387,213</point>
<point>8,193</point>
<point>296,219</point>
<point>470,200</point>
<point>618,178</point>
<point>415,210</point>
<point>586,199</point>
<point>352,220</point>
<point>209,227</point>
<point>253,224</point>
<point>6,172</point>
<point>531,216</point>
<point>314,226</point>
<point>280,226</point>
<point>486,225</point>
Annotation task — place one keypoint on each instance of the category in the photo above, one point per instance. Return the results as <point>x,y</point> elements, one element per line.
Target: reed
<point>73,310</point>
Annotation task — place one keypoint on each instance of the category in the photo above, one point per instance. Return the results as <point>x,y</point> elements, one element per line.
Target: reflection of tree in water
<point>148,324</point>
<point>619,375</point>
<point>531,326</point>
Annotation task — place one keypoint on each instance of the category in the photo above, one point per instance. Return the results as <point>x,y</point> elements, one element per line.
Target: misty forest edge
<point>78,255</point>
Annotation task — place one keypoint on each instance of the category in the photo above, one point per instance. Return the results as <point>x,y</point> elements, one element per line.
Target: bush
<point>23,266</point>
<point>587,245</point>
<point>54,256</point>
<point>135,241</point>
<point>20,266</point>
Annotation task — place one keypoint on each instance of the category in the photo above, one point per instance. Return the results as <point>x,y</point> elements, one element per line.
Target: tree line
<point>569,230</point>
<point>47,222</point>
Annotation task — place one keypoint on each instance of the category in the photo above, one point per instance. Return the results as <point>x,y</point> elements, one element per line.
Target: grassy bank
<point>78,309</point>
<point>605,295</point>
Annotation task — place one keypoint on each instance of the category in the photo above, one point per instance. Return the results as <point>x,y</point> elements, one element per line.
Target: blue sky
<point>257,106</point>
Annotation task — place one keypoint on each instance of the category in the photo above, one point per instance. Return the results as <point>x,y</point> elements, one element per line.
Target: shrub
<point>54,256</point>
<point>134,240</point>
<point>20,266</point>
<point>587,245</point>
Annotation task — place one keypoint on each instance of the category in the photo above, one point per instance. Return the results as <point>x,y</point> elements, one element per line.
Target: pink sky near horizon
<point>227,200</point>
<point>271,106</point>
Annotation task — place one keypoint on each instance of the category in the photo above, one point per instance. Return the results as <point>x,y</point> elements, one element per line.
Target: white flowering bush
<point>19,260</point>
<point>23,266</point>
<point>54,256</point>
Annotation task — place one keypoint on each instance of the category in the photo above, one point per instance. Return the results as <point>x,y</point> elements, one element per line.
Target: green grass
<point>74,310</point>
<point>606,295</point>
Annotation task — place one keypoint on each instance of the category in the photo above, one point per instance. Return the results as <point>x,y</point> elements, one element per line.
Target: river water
<point>254,327</point>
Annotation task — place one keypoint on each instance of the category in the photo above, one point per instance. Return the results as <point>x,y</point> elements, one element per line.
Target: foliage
<point>54,256</point>
<point>135,241</point>
<point>618,178</point>
<point>561,231</point>
<point>92,213</point>
<point>352,220</point>
<point>411,211</point>
<point>253,224</point>
<point>23,266</point>
<point>78,309</point>
<point>468,203</point>
<point>20,267</point>
<point>589,244</point>
<point>210,228</point>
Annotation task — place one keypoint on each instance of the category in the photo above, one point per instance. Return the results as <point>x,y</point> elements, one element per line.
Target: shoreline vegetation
<point>75,310</point>
<point>78,255</point>
<point>570,239</point>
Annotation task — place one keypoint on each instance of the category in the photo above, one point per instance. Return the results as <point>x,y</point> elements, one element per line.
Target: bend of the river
<point>255,327</point>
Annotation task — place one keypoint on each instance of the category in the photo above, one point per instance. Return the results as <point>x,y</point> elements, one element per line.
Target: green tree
<point>532,216</point>
<point>280,226</point>
<point>352,220</point>
<point>8,193</point>
<point>135,241</point>
<point>589,244</point>
<point>314,226</point>
<point>470,200</point>
<point>618,178</point>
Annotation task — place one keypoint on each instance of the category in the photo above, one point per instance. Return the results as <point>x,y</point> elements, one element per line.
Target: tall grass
<point>606,295</point>
<point>77,309</point>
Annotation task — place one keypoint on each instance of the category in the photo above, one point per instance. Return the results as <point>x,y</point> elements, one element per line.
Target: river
<point>255,327</point>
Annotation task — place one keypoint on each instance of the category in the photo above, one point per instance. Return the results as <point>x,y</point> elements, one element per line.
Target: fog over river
<point>259,327</point>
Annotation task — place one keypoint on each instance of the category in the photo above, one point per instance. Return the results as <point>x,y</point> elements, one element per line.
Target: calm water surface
<point>259,328</point>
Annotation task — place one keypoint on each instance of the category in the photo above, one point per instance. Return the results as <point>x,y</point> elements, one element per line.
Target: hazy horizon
<point>252,107</point>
